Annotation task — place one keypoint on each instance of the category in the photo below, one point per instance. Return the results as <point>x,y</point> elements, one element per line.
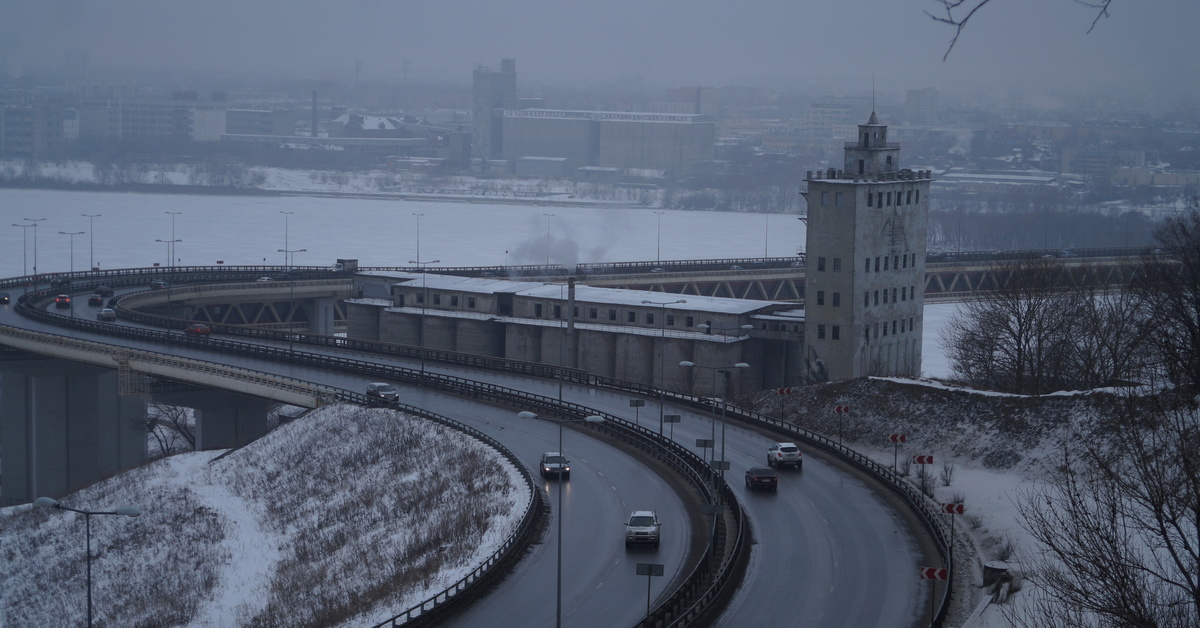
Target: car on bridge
<point>60,282</point>
<point>3,298</point>
<point>554,464</point>
<point>382,393</point>
<point>106,314</point>
<point>62,301</point>
<point>159,284</point>
<point>642,528</point>
<point>762,477</point>
<point>104,291</point>
<point>197,329</point>
<point>785,455</point>
<point>96,299</point>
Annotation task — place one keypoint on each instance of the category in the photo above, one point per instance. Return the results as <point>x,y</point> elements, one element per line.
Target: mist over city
<point>303,294</point>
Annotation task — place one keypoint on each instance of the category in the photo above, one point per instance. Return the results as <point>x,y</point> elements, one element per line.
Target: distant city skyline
<point>1039,48</point>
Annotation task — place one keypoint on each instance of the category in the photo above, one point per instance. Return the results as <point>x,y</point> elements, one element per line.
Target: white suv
<point>785,455</point>
<point>642,527</point>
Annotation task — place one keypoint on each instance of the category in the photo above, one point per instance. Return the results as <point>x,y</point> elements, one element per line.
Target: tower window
<point>837,299</point>
<point>631,317</point>
<point>909,202</point>
<point>690,321</point>
<point>867,332</point>
<point>820,297</point>
<point>896,261</point>
<point>870,200</point>
<point>868,265</point>
<point>593,312</point>
<point>866,299</point>
<point>889,199</point>
<point>824,198</point>
<point>837,332</point>
<point>649,319</point>
<point>885,263</point>
<point>904,261</point>
<point>612,315</point>
<point>837,199</point>
<point>437,299</point>
<point>558,311</point>
<point>862,166</point>
<point>821,331</point>
<point>876,263</point>
<point>893,295</point>
<point>903,294</point>
<point>885,328</point>
<point>670,320</point>
<point>885,295</point>
<point>918,196</point>
<point>889,162</point>
<point>893,328</point>
<point>471,302</point>
<point>879,199</point>
<point>537,310</point>
<point>876,297</point>
<point>821,264</point>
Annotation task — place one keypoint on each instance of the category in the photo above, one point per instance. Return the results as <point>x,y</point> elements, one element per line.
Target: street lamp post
<point>658,254</point>
<point>548,217</point>
<point>71,274</point>
<point>291,290</point>
<point>35,221</point>
<point>662,358</point>
<point>125,511</point>
<point>726,371</point>
<point>171,246</point>
<point>91,238</point>
<point>285,248</point>
<point>25,247</point>
<point>558,574</point>
<point>424,297</point>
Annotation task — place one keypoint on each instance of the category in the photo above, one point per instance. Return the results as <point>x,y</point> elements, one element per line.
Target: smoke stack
<point>572,362</point>
<point>314,114</point>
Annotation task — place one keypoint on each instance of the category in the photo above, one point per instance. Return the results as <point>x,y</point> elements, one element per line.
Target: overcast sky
<point>1144,47</point>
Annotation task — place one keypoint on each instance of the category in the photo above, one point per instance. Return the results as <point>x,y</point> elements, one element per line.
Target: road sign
<point>954,509</point>
<point>637,403</point>
<point>934,573</point>
<point>704,442</point>
<point>671,418</point>
<point>720,465</point>
<point>784,391</point>
<point>649,569</point>
<point>841,409</point>
<point>897,438</point>
<point>922,459</point>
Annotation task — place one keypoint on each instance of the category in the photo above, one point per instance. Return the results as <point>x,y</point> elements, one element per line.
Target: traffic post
<point>781,392</point>
<point>635,404</point>
<point>922,459</point>
<point>952,509</point>
<point>934,574</point>
<point>896,439</point>
<point>672,419</point>
<point>649,570</point>
<point>839,410</point>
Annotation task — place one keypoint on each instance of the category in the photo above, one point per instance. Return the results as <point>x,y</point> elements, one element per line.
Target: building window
<point>575,311</point>
<point>821,264</point>
<point>824,198</point>
<point>631,317</point>
<point>889,198</point>
<point>437,299</point>
<point>879,199</point>
<point>862,166</point>
<point>471,302</point>
<point>893,328</point>
<point>820,331</point>
<point>909,201</point>
<point>537,310</point>
<point>558,311</point>
<point>612,315</point>
<point>896,262</point>
<point>649,318</point>
<point>893,295</point>
<point>867,332</point>
<point>592,312</point>
<point>837,199</point>
<point>884,329</point>
<point>885,263</point>
<point>690,321</point>
<point>910,324</point>
<point>870,200</point>
<point>820,297</point>
<point>885,296</point>
<point>876,264</point>
<point>837,299</point>
<point>421,297</point>
<point>876,297</point>
<point>837,264</point>
<point>866,299</point>
<point>670,320</point>
<point>867,265</point>
<point>903,294</point>
<point>904,261</point>
<point>453,301</point>
<point>837,332</point>
<point>918,197</point>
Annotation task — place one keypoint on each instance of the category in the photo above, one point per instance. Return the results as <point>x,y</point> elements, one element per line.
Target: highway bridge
<point>838,546</point>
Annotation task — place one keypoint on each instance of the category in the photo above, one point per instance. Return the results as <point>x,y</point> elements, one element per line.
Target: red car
<point>62,301</point>
<point>762,477</point>
<point>197,329</point>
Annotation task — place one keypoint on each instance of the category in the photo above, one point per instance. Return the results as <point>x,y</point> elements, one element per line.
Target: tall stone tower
<point>865,270</point>
<point>492,92</point>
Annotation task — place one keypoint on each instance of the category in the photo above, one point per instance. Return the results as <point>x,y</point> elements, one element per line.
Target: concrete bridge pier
<point>223,419</point>
<point>320,315</point>
<point>63,426</point>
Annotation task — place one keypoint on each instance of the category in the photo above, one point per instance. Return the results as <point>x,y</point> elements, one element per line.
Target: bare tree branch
<point>954,8</point>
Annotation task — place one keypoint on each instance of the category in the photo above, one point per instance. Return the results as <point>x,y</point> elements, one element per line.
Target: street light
<point>285,248</point>
<point>725,370</point>
<point>125,511</point>
<point>424,298</point>
<point>558,575</point>
<point>91,238</point>
<point>172,241</point>
<point>72,273</point>
<point>658,255</point>
<point>35,221</point>
<point>548,217</point>
<point>24,248</point>
<point>291,289</point>
<point>662,358</point>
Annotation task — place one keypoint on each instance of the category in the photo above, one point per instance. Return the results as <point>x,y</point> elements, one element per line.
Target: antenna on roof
<point>872,92</point>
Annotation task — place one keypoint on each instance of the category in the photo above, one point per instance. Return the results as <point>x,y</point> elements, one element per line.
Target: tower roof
<point>874,119</point>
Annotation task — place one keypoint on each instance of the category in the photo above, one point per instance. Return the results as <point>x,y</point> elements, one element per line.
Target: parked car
<point>197,329</point>
<point>159,284</point>
<point>106,314</point>
<point>762,477</point>
<point>62,301</point>
<point>381,393</point>
<point>554,464</point>
<point>95,299</point>
<point>642,528</point>
<point>785,455</point>
<point>104,291</point>
<point>3,297</point>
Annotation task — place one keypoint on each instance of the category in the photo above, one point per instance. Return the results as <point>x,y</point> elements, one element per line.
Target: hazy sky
<point>1144,47</point>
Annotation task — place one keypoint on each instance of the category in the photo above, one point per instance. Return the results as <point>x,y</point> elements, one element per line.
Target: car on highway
<point>106,314</point>
<point>104,291</point>
<point>3,297</point>
<point>60,282</point>
<point>642,528</point>
<point>762,477</point>
<point>197,329</point>
<point>554,464</point>
<point>95,299</point>
<point>382,393</point>
<point>62,301</point>
<point>159,284</point>
<point>785,455</point>
<point>265,279</point>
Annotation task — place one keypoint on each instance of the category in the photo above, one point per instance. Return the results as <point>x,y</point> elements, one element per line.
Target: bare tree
<point>957,13</point>
<point>1170,286</point>
<point>172,427</point>
<point>1118,522</point>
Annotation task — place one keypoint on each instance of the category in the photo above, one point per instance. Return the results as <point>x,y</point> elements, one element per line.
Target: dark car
<point>159,284</point>
<point>381,393</point>
<point>3,297</point>
<point>197,329</point>
<point>104,291</point>
<point>96,299</point>
<point>762,477</point>
<point>62,301</point>
<point>554,465</point>
<point>106,314</point>
<point>60,282</point>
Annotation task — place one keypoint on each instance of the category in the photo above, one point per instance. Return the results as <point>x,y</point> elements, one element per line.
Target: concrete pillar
<point>63,426</point>
<point>223,419</point>
<point>320,315</point>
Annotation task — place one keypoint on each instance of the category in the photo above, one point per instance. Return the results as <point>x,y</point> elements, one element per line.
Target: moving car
<point>104,291</point>
<point>785,455</point>
<point>62,301</point>
<point>3,297</point>
<point>197,329</point>
<point>554,464</point>
<point>381,393</point>
<point>264,279</point>
<point>106,314</point>
<point>642,528</point>
<point>96,299</point>
<point>762,477</point>
<point>159,284</point>
<point>60,282</point>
